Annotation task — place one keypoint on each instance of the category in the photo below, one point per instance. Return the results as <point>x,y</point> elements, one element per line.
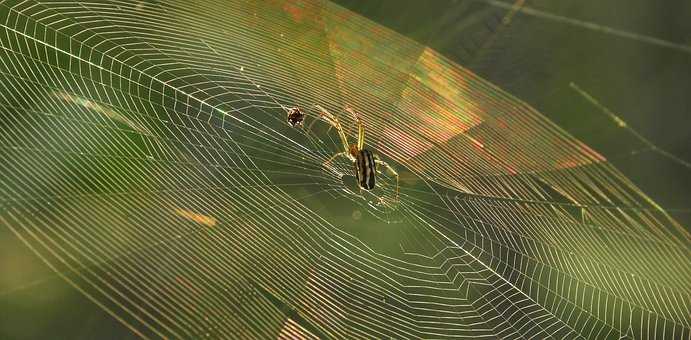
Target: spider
<point>295,116</point>
<point>364,161</point>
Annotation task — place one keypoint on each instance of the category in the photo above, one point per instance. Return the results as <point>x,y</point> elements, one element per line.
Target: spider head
<point>353,150</point>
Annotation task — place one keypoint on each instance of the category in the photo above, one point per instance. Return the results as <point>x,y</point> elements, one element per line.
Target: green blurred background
<point>534,58</point>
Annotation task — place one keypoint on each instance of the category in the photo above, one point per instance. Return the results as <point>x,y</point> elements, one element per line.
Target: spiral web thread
<point>146,159</point>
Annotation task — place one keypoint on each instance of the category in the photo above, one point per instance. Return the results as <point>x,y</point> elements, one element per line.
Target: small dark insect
<point>295,117</point>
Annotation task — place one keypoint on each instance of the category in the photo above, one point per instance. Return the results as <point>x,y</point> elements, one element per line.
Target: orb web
<point>148,161</point>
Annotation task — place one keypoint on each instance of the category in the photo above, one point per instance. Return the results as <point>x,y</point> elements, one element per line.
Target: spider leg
<point>309,127</point>
<point>389,169</point>
<point>333,121</point>
<point>328,162</point>
<point>360,129</point>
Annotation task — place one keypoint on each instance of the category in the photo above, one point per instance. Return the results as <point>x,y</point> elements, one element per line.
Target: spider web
<point>147,160</point>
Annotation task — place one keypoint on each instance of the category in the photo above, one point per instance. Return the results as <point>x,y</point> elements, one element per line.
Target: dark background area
<point>535,58</point>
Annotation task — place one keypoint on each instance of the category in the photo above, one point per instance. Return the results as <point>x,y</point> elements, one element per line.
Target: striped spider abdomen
<point>365,169</point>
